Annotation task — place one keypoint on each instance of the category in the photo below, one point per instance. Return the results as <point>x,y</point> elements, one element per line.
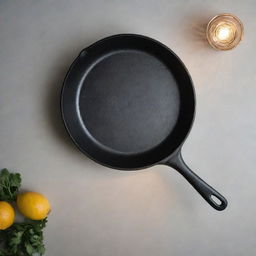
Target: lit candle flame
<point>224,33</point>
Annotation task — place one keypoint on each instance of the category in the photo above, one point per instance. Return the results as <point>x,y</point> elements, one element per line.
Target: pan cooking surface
<point>128,101</point>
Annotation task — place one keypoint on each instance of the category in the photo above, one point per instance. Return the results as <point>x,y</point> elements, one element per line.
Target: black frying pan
<point>128,103</point>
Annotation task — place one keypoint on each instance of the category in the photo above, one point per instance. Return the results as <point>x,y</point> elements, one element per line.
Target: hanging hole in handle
<point>216,200</point>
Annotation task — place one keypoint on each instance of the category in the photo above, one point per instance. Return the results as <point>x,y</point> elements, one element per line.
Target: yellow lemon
<point>7,215</point>
<point>33,205</point>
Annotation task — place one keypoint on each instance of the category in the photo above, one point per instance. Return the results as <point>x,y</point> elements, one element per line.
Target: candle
<point>224,32</point>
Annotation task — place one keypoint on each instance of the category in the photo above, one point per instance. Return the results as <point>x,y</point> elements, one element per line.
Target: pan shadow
<point>195,29</point>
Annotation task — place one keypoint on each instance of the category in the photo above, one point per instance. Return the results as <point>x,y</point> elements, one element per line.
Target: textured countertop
<point>102,212</point>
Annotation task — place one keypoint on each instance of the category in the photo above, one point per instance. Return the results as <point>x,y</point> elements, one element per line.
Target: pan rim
<point>162,161</point>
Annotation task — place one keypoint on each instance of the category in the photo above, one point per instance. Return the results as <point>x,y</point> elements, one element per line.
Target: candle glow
<point>224,32</point>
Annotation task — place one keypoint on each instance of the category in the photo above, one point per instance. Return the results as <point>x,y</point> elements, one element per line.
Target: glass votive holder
<point>224,31</point>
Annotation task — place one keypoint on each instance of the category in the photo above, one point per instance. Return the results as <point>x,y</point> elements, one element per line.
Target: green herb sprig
<point>9,185</point>
<point>24,239</point>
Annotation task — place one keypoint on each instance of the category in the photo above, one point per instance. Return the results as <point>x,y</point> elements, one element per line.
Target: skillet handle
<point>205,190</point>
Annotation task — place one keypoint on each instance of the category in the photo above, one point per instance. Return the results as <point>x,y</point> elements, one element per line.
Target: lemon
<point>33,205</point>
<point>7,215</point>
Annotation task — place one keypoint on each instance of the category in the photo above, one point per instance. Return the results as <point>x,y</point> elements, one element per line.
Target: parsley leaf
<point>2,253</point>
<point>24,239</point>
<point>9,185</point>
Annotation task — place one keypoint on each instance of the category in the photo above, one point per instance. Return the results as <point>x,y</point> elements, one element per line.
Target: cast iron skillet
<point>128,103</point>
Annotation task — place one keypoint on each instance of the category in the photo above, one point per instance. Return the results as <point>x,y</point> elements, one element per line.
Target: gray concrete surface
<point>102,212</point>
